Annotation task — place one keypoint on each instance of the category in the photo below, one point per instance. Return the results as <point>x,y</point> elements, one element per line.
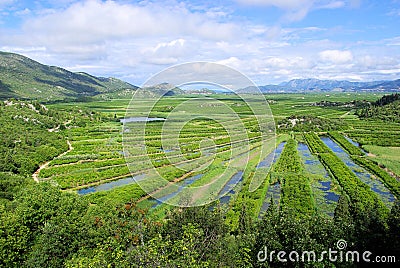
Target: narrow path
<point>346,114</point>
<point>35,175</point>
<point>391,173</point>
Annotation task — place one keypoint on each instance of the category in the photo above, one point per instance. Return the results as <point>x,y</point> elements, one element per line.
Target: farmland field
<point>204,150</point>
<point>387,156</point>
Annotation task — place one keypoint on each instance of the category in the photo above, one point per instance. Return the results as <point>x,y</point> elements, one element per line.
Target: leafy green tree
<point>14,239</point>
<point>343,217</point>
<point>11,184</point>
<point>393,239</point>
<point>245,221</point>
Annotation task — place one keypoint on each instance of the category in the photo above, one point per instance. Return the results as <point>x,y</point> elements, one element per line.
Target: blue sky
<point>268,40</point>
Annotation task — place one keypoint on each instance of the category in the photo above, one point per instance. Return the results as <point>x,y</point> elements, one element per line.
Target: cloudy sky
<point>268,40</point>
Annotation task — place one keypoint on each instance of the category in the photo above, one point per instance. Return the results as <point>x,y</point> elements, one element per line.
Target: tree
<point>245,221</point>
<point>394,228</point>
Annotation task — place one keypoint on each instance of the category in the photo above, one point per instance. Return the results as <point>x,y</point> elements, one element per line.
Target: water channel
<point>375,184</point>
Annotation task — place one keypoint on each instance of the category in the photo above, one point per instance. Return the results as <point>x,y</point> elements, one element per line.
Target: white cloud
<point>123,35</point>
<point>173,46</point>
<point>231,62</point>
<point>332,5</point>
<point>134,40</point>
<point>368,61</point>
<point>295,9</point>
<point>393,41</point>
<point>22,49</point>
<point>166,52</point>
<point>284,4</point>
<point>92,21</point>
<point>23,12</point>
<point>6,2</point>
<point>336,56</point>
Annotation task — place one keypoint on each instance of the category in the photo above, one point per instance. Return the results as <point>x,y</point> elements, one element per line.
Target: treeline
<point>351,104</point>
<point>306,123</point>
<point>386,108</point>
<point>387,99</point>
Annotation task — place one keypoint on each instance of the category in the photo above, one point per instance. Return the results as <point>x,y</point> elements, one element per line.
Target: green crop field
<point>98,154</point>
<point>387,156</point>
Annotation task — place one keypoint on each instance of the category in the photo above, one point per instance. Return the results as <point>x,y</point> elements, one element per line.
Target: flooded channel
<point>228,190</point>
<point>274,190</point>
<point>110,185</point>
<point>355,144</point>
<point>326,198</point>
<point>272,157</point>
<point>376,185</point>
<point>181,185</point>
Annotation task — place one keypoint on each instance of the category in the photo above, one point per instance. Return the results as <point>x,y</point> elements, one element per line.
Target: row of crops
<point>99,157</point>
<point>296,191</point>
<point>373,132</point>
<point>360,194</point>
<point>204,147</point>
<point>359,157</point>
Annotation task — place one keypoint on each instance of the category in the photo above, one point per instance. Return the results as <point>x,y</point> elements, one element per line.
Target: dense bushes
<point>289,161</point>
<point>376,137</point>
<point>25,139</point>
<point>296,193</point>
<point>386,109</point>
<point>391,183</point>
<point>48,228</point>
<point>310,123</point>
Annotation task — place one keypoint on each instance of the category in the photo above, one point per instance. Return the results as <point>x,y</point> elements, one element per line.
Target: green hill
<point>24,78</point>
<point>386,108</point>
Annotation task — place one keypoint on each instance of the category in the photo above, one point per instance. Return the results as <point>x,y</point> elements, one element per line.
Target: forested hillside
<point>29,136</point>
<point>24,78</point>
<point>387,109</point>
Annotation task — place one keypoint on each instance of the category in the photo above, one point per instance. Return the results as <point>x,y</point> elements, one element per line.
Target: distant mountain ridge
<point>24,78</point>
<point>316,85</point>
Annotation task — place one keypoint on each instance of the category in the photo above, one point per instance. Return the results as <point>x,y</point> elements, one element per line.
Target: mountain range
<point>24,78</point>
<point>315,85</point>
